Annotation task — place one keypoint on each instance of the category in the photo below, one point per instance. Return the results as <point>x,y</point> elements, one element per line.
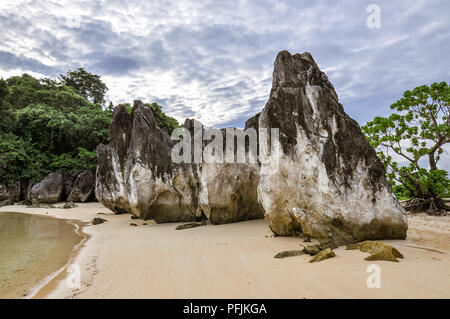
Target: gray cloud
<point>213,60</point>
<point>10,61</point>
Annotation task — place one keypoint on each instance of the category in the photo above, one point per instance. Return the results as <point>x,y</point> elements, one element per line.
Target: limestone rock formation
<point>329,183</point>
<point>136,174</point>
<point>83,187</point>
<point>49,190</point>
<point>326,183</point>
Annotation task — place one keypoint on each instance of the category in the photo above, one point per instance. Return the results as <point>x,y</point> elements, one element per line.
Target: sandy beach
<point>236,261</point>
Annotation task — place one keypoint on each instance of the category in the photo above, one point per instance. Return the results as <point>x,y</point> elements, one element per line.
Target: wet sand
<point>32,249</point>
<point>236,261</point>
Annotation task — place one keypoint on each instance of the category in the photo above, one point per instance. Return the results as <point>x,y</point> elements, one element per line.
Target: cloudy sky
<point>213,60</point>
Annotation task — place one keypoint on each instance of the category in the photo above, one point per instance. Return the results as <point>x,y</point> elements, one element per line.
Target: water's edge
<point>38,284</point>
<point>46,286</point>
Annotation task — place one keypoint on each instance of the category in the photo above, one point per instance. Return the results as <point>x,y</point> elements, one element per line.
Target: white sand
<point>236,261</point>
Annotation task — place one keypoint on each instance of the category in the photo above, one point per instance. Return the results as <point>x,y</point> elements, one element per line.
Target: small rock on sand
<point>324,254</point>
<point>98,220</point>
<point>312,249</point>
<point>189,225</point>
<point>70,205</point>
<point>289,253</point>
<point>378,250</point>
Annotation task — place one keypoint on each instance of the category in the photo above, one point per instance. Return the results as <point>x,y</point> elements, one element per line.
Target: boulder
<point>378,250</point>
<point>10,192</point>
<point>322,255</point>
<point>312,249</point>
<point>49,190</point>
<point>289,253</point>
<point>329,183</point>
<point>98,220</point>
<point>136,174</point>
<point>69,180</point>
<point>83,187</point>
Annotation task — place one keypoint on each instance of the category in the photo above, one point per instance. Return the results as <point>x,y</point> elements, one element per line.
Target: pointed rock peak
<point>299,70</point>
<point>141,111</point>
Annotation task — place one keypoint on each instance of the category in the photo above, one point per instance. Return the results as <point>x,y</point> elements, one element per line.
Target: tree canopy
<point>416,133</point>
<point>90,86</point>
<point>48,125</point>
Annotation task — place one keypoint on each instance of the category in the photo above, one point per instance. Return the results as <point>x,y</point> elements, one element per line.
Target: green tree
<point>90,86</point>
<point>20,160</point>
<point>161,118</point>
<point>418,129</point>
<point>45,126</point>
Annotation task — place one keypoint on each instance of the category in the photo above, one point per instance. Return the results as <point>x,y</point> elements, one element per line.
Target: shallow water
<point>31,248</point>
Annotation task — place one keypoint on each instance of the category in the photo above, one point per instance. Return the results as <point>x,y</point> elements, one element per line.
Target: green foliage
<point>162,119</point>
<point>401,192</point>
<point>90,86</point>
<point>418,128</point>
<point>47,126</point>
<point>20,160</point>
<point>83,160</point>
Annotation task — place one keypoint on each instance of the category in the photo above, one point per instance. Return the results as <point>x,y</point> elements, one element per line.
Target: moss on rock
<point>312,249</point>
<point>189,225</point>
<point>289,253</point>
<point>324,254</point>
<point>378,250</point>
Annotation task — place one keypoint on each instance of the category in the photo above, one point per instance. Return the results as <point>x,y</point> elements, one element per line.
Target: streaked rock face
<point>83,187</point>
<point>329,184</point>
<point>136,174</point>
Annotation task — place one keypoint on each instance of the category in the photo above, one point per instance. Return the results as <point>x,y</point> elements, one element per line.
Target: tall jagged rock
<point>136,174</point>
<point>329,183</point>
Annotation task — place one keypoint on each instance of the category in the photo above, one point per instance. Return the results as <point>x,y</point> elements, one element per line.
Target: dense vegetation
<point>48,125</point>
<point>418,129</point>
<point>164,121</point>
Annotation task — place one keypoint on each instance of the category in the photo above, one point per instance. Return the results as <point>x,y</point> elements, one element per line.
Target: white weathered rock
<point>329,184</point>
